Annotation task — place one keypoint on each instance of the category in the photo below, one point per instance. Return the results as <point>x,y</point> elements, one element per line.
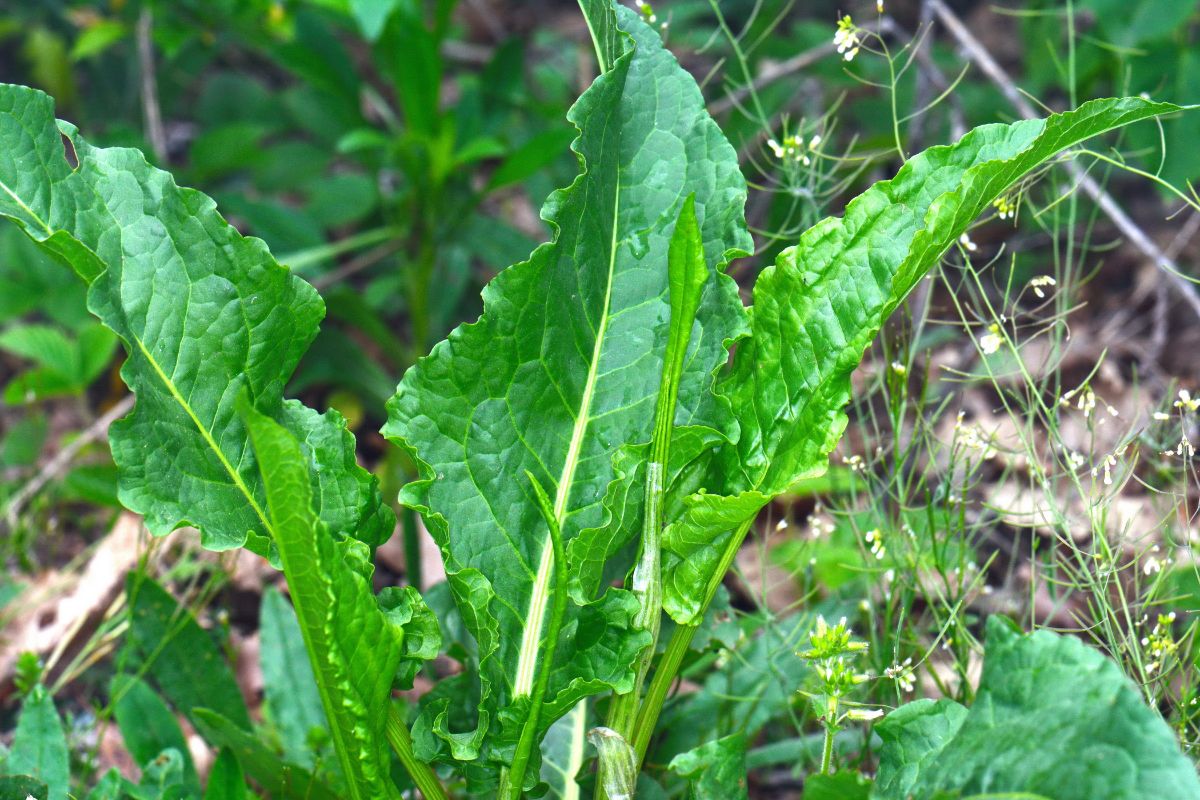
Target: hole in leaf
<point>69,152</point>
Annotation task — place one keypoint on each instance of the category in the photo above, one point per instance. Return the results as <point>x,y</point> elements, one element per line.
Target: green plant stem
<point>421,773</point>
<point>512,779</point>
<point>827,750</point>
<point>677,647</point>
<point>412,548</point>
<point>301,260</point>
<point>687,273</point>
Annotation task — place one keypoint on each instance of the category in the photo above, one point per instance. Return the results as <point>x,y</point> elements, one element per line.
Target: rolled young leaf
<point>356,643</point>
<point>204,313</point>
<point>821,305</point>
<point>560,375</point>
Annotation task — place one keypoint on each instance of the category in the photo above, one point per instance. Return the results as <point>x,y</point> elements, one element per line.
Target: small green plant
<point>835,675</point>
<point>590,429</point>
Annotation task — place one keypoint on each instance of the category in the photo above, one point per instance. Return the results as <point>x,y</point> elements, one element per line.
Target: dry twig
<point>981,57</point>
<point>57,465</point>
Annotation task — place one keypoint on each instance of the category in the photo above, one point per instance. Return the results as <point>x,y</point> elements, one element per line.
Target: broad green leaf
<point>225,781</point>
<point>39,747</point>
<point>715,770</point>
<point>290,690</point>
<point>22,787</point>
<point>913,737</point>
<point>846,785</point>
<point>822,303</point>
<point>205,314</point>
<point>277,777</point>
<point>563,752</point>
<point>560,375</point>
<point>1052,717</point>
<point>357,644</point>
<point>179,655</point>
<point>148,727</point>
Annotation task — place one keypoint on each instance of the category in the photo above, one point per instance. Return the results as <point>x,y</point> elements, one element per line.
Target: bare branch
<point>1125,224</point>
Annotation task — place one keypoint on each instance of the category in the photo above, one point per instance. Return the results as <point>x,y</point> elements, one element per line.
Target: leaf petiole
<point>421,773</point>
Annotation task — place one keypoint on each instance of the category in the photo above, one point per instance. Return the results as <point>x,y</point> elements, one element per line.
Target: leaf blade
<point>821,304</point>
<point>586,350</point>
<point>204,314</point>
<point>355,646</point>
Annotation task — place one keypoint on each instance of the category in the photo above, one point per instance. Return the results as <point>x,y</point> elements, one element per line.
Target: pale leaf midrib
<point>16,199</point>
<point>169,384</point>
<point>531,637</point>
<point>205,434</point>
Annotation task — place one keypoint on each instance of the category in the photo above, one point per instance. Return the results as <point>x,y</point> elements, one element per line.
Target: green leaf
<point>371,15</point>
<point>97,38</point>
<point>822,303</point>
<point>148,727</point>
<point>162,778</point>
<point>292,700</point>
<point>913,737</point>
<point>204,313</point>
<point>22,787</point>
<point>1052,717</point>
<point>112,786</point>
<point>357,644</point>
<point>563,753</point>
<point>716,770</point>
<point>182,658</point>
<point>617,763</point>
<point>64,365</point>
<point>840,786</point>
<point>264,767</point>
<point>39,747</point>
<point>559,375</point>
<point>225,781</point>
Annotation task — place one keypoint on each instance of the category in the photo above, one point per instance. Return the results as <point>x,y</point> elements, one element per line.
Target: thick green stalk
<point>687,275</point>
<point>513,778</point>
<point>420,772</point>
<point>827,751</point>
<point>677,647</point>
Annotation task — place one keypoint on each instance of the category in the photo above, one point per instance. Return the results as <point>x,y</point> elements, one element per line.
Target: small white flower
<point>879,6</point>
<point>1086,402</point>
<point>847,38</point>
<point>1159,416</point>
<point>991,341</point>
<point>1185,447</point>
<point>903,675</point>
<point>1006,207</point>
<point>1041,281</point>
<point>864,714</point>
<point>781,525</point>
<point>899,369</point>
<point>1186,402</point>
<point>966,242</point>
<point>874,539</point>
<point>1152,566</point>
